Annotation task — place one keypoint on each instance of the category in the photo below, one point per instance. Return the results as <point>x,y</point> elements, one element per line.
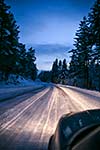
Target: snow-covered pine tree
<point>4,32</point>
<point>60,65</point>
<point>73,68</point>
<point>22,61</point>
<point>59,71</point>
<point>94,23</point>
<point>14,41</point>
<point>83,50</point>
<point>85,59</point>
<point>64,72</point>
<point>31,70</point>
<point>8,41</point>
<point>55,72</point>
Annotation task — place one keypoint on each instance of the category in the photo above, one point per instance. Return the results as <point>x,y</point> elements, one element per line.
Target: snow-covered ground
<point>11,90</point>
<point>19,82</point>
<point>85,99</point>
<point>28,121</point>
<point>91,92</point>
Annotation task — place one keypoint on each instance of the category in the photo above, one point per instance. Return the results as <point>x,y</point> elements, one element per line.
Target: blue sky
<point>49,22</point>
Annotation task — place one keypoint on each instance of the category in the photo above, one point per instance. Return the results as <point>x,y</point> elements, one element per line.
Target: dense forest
<point>14,58</point>
<point>84,68</point>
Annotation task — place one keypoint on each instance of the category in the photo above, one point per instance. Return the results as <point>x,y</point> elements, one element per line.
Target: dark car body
<point>77,131</point>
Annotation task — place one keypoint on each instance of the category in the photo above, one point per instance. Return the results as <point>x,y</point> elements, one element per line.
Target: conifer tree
<point>85,59</point>
<point>73,65</point>
<point>8,41</point>
<point>60,71</point>
<point>31,70</point>
<point>13,56</point>
<point>83,52</point>
<point>22,61</point>
<point>94,20</point>
<point>73,68</point>
<point>64,72</point>
<point>60,65</point>
<point>54,77</point>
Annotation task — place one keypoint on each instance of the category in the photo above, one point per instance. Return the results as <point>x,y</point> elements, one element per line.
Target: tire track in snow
<point>78,102</point>
<point>50,106</point>
<point>26,133</point>
<point>14,119</point>
<point>41,120</point>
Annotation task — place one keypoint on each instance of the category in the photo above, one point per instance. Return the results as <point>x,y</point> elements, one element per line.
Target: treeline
<point>84,67</point>
<point>58,74</point>
<point>14,58</point>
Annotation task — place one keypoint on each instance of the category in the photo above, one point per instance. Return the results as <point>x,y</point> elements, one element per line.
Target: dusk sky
<point>49,22</point>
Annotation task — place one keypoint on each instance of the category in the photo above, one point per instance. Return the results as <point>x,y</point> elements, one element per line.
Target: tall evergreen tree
<point>85,59</point>
<point>73,68</point>
<point>73,65</point>
<point>60,65</point>
<point>31,70</point>
<point>59,71</point>
<point>94,20</point>
<point>13,55</point>
<point>64,72</point>
<point>83,52</point>
<point>8,40</point>
<point>14,41</point>
<point>55,72</point>
<point>22,60</point>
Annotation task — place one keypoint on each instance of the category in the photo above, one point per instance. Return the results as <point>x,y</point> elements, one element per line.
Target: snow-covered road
<point>28,121</point>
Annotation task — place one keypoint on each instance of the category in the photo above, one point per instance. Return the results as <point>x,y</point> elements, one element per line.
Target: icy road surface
<point>28,121</point>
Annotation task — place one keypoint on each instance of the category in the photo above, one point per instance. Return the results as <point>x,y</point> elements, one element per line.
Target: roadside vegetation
<point>83,70</point>
<point>84,67</point>
<point>14,58</point>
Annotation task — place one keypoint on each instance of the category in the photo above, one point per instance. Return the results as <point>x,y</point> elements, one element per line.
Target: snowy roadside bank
<point>11,91</point>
